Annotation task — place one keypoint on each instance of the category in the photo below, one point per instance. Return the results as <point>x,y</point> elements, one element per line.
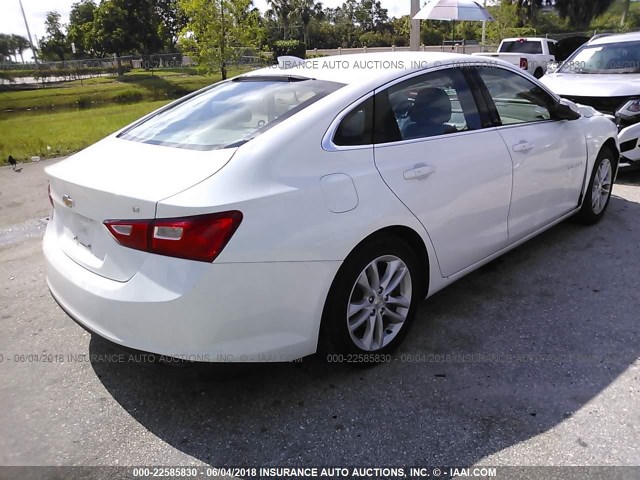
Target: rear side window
<point>230,113</point>
<point>356,127</point>
<point>552,48</point>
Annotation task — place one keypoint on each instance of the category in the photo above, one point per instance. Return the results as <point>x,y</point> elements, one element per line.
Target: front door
<point>454,175</point>
<point>549,156</point>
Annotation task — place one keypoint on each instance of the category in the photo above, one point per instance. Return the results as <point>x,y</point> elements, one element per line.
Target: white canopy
<point>453,10</point>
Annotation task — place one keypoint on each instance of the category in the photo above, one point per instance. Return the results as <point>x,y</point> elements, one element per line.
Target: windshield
<point>229,113</point>
<point>522,46</point>
<point>610,58</point>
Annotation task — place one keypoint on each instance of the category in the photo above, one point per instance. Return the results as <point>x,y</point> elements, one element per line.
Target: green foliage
<point>109,29</point>
<point>581,12</point>
<point>7,76</point>
<point>80,25</point>
<point>283,9</point>
<point>219,32</point>
<point>172,21</point>
<point>289,47</point>
<point>54,44</point>
<point>133,86</point>
<point>612,19</point>
<point>51,134</point>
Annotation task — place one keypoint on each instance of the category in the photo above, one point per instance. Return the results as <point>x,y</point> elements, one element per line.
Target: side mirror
<point>562,111</point>
<point>553,67</point>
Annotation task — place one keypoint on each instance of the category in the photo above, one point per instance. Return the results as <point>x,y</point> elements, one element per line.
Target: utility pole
<point>484,29</point>
<point>33,50</point>
<point>415,27</point>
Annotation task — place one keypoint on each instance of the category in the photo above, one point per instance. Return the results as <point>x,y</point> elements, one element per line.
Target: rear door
<point>549,156</point>
<point>453,174</point>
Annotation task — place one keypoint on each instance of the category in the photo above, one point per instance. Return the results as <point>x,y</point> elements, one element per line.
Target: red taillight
<point>130,233</point>
<point>200,237</point>
<point>524,64</point>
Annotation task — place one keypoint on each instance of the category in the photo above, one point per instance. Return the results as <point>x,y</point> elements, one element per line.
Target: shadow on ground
<point>499,357</point>
<point>629,176</point>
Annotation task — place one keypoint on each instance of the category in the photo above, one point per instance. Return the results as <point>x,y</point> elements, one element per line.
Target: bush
<point>295,48</point>
<point>67,73</point>
<point>7,76</point>
<point>85,102</point>
<point>128,97</point>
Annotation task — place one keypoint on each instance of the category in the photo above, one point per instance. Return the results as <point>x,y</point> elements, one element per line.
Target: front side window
<point>230,113</point>
<point>623,57</point>
<point>517,99</point>
<point>429,105</point>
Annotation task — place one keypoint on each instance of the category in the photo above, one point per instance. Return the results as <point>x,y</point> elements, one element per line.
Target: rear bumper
<point>197,311</point>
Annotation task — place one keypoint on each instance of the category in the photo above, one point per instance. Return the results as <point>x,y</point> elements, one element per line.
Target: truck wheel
<point>538,73</point>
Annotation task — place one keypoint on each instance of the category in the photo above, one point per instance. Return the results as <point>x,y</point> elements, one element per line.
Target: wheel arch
<point>611,144</point>
<point>595,148</point>
<point>402,232</point>
<point>415,241</point>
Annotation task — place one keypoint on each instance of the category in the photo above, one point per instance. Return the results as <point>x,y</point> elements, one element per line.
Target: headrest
<point>432,105</point>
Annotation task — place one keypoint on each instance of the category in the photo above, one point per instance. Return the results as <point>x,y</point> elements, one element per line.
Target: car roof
<point>527,39</point>
<point>623,37</point>
<point>367,68</point>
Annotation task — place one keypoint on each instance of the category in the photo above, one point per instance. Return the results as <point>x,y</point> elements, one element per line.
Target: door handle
<point>419,172</point>
<point>523,147</point>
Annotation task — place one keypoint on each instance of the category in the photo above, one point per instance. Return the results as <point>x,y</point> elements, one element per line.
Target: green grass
<point>133,87</point>
<point>60,120</point>
<point>62,133</point>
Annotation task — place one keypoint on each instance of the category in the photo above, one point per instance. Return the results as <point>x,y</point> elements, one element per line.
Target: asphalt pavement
<point>531,360</point>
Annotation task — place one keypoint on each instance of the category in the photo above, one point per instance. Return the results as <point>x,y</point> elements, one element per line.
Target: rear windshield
<point>522,46</point>
<point>623,57</point>
<point>230,113</point>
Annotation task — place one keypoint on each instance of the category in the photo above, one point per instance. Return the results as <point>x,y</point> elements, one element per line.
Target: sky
<point>11,19</point>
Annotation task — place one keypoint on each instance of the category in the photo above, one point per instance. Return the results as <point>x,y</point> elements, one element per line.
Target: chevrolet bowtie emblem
<point>68,201</point>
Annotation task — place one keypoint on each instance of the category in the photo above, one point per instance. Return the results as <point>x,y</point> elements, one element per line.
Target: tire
<point>380,317</point>
<point>598,193</point>
<point>539,73</point>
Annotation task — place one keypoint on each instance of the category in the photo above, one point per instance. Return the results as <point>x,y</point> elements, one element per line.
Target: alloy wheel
<point>379,303</point>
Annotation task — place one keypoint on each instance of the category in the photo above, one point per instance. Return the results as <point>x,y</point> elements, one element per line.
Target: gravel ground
<point>532,360</point>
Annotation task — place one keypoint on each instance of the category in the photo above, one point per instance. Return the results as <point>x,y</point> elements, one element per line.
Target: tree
<point>80,26</point>
<point>172,21</point>
<point>370,15</point>
<point>54,44</point>
<point>19,45</point>
<point>218,31</point>
<point>5,47</point>
<point>625,12</point>
<point>109,31</point>
<point>527,11</point>
<point>142,24</point>
<point>283,10</point>
<point>581,12</point>
<point>305,9</point>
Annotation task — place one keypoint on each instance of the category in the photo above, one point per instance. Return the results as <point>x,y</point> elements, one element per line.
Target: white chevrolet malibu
<point>315,204</point>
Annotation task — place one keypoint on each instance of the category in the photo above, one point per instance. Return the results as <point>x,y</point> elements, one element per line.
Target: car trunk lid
<point>116,180</point>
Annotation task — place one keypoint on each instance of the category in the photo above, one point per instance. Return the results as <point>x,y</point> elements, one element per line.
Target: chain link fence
<point>49,72</point>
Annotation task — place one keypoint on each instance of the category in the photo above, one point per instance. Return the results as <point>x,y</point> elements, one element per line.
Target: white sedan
<point>605,74</point>
<point>315,204</point>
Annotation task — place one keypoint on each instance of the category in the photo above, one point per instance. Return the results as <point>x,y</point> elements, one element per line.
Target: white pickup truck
<point>530,54</point>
